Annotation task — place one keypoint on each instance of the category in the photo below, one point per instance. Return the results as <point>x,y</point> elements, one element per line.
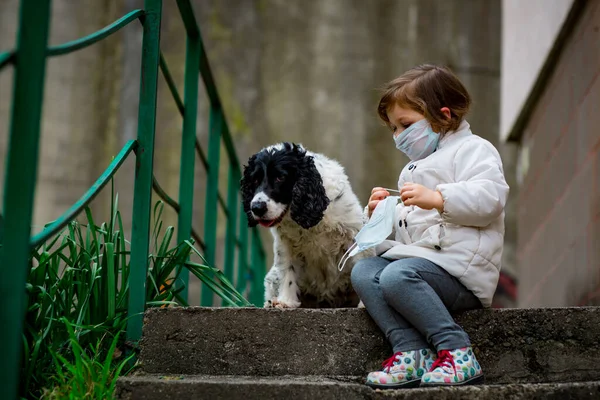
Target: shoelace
<point>444,359</point>
<point>389,363</point>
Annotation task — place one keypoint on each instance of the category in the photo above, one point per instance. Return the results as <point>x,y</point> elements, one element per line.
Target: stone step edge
<point>317,380</point>
<point>313,379</point>
<point>334,387</point>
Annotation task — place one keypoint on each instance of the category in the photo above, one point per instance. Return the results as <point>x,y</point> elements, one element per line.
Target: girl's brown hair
<point>426,89</point>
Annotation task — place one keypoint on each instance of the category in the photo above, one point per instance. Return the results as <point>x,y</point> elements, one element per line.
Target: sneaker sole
<point>478,380</point>
<point>400,385</point>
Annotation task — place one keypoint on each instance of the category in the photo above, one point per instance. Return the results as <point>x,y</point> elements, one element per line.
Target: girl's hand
<point>377,194</point>
<point>413,194</point>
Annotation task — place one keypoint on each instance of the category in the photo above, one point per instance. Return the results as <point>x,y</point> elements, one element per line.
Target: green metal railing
<point>29,62</point>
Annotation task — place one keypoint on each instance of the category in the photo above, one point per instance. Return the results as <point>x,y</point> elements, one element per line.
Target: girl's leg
<point>425,294</point>
<point>412,357</point>
<point>366,282</point>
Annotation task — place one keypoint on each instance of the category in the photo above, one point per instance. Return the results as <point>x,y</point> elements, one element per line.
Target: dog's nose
<point>259,208</point>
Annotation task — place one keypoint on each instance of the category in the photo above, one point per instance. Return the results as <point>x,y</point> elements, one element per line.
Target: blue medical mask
<point>379,227</point>
<point>418,140</point>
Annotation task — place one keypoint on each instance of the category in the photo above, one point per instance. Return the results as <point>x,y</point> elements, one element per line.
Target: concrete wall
<point>559,202</point>
<point>529,28</point>
<point>79,111</point>
<point>298,70</point>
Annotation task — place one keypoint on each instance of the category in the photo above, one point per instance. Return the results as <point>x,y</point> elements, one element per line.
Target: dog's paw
<point>269,304</point>
<point>285,303</point>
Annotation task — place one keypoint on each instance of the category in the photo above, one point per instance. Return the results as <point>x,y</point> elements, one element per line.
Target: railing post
<point>263,266</point>
<point>256,293</point>
<point>243,252</point>
<point>233,186</point>
<point>142,192</point>
<point>188,156</point>
<point>212,194</point>
<point>19,187</point>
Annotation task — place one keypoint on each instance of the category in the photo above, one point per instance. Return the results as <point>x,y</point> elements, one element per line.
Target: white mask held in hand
<point>418,140</point>
<point>379,227</point>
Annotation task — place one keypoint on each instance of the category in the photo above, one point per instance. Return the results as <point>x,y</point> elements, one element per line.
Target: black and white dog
<point>307,202</point>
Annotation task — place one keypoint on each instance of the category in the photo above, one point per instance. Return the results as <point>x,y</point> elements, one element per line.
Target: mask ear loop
<point>344,258</point>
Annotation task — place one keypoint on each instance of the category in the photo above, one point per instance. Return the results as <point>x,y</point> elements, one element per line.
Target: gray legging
<point>411,300</point>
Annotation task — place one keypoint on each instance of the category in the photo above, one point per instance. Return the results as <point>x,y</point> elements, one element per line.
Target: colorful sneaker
<point>454,368</point>
<point>402,370</point>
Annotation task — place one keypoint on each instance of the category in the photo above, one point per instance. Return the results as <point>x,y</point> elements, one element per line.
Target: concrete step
<point>160,387</point>
<point>512,345</point>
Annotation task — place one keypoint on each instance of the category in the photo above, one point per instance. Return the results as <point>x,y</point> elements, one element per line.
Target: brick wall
<point>558,247</point>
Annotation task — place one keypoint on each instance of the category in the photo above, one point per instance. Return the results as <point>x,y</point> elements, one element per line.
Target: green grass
<point>92,373</point>
<point>78,290</point>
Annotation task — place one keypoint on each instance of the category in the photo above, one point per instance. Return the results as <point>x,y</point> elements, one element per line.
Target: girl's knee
<point>395,278</point>
<point>363,272</point>
<point>358,273</point>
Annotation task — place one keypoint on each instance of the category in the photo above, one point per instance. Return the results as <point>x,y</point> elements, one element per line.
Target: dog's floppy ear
<point>247,188</point>
<point>309,200</point>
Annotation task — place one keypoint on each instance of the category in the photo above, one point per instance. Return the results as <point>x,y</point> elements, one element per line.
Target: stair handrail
<point>29,60</point>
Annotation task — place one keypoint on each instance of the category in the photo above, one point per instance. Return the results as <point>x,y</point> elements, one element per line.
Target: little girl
<point>444,254</point>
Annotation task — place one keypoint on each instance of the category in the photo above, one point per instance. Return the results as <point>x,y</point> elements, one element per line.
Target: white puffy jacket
<point>467,238</point>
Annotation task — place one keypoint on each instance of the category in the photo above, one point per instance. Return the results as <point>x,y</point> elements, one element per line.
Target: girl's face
<point>401,118</point>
